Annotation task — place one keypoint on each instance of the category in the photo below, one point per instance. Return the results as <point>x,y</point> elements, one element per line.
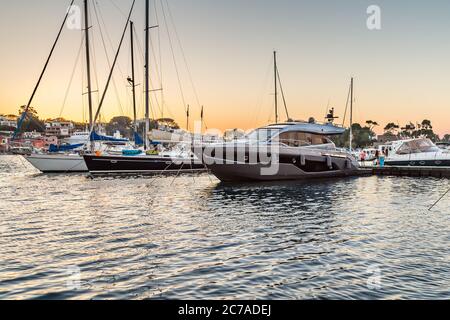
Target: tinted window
<point>298,139</point>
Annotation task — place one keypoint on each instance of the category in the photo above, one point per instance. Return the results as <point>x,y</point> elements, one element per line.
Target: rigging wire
<point>42,73</point>
<point>173,57</point>
<point>439,200</point>
<point>160,61</point>
<point>113,65</point>
<point>260,100</point>
<point>118,8</point>
<point>94,54</point>
<point>346,105</point>
<point>99,20</point>
<point>83,102</point>
<point>282,94</point>
<point>71,78</point>
<point>183,53</point>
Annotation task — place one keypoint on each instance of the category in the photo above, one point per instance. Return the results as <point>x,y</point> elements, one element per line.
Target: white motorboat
<point>417,152</point>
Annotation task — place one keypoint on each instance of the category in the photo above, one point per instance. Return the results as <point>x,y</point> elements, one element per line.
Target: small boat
<point>417,153</point>
<point>141,164</point>
<point>57,163</point>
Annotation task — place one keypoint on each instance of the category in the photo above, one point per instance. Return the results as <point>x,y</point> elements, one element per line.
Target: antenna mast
<point>147,73</point>
<point>351,115</point>
<point>132,80</point>
<point>88,60</point>
<point>276,85</point>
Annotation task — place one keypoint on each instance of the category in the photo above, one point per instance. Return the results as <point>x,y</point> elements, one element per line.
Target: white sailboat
<point>65,159</point>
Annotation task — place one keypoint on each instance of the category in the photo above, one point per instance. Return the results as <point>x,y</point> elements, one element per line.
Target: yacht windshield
<point>417,146</point>
<point>262,135</point>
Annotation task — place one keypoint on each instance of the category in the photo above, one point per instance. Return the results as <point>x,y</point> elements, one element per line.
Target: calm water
<point>68,237</point>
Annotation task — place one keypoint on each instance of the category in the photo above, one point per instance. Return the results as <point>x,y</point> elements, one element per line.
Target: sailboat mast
<point>88,60</point>
<point>276,84</point>
<point>351,115</point>
<point>147,73</point>
<point>133,84</point>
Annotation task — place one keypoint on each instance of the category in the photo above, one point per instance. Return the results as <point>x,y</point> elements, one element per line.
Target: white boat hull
<point>57,163</point>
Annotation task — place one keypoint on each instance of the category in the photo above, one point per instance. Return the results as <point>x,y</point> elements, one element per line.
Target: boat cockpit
<point>297,134</point>
<point>417,146</point>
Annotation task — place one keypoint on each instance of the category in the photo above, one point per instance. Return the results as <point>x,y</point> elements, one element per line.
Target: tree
<point>391,129</point>
<point>407,130</point>
<point>31,120</point>
<point>372,124</point>
<point>426,124</point>
<point>362,137</point>
<point>446,138</point>
<point>122,124</point>
<point>169,123</point>
<point>426,130</point>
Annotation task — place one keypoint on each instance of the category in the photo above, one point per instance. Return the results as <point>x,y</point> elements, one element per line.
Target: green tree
<point>122,124</point>
<point>31,121</point>
<point>30,113</point>
<point>391,129</point>
<point>362,137</point>
<point>169,123</point>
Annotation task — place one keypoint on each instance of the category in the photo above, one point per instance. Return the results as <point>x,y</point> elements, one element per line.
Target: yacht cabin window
<point>417,146</point>
<point>262,135</point>
<point>301,139</point>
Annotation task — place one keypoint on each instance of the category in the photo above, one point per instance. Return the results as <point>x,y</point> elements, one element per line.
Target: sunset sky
<point>402,72</point>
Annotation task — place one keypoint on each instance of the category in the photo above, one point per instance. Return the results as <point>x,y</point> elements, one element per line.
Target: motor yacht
<point>288,151</point>
<point>417,152</point>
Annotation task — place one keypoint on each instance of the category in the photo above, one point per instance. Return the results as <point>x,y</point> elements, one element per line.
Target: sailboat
<point>142,162</point>
<point>67,158</point>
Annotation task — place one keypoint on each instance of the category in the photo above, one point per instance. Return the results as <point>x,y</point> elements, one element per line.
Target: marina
<point>135,166</point>
<point>195,238</point>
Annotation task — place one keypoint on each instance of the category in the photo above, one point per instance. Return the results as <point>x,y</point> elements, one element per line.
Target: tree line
<point>364,135</point>
<point>123,124</point>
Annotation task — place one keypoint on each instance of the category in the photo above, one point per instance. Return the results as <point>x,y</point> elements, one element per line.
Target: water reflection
<point>194,238</point>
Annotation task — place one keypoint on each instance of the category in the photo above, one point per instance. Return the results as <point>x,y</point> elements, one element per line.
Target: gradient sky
<point>402,72</point>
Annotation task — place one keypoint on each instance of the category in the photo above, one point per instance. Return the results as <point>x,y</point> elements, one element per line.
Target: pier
<point>421,172</point>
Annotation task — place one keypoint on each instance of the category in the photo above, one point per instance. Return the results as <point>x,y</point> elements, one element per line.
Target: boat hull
<point>57,163</point>
<point>248,173</point>
<point>290,165</point>
<point>427,159</point>
<point>139,165</point>
<point>419,163</point>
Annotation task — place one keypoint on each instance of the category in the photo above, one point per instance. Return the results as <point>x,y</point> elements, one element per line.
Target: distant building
<point>8,121</point>
<point>50,140</point>
<point>60,129</point>
<point>31,135</point>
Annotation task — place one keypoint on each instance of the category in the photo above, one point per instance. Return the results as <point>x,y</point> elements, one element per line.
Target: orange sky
<point>402,72</point>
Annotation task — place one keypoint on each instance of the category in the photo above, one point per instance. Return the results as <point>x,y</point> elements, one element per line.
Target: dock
<point>419,172</point>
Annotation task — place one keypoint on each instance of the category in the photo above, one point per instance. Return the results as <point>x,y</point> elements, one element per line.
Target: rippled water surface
<point>69,237</point>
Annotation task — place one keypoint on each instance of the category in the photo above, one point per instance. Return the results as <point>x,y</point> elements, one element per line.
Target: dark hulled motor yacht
<point>289,151</point>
